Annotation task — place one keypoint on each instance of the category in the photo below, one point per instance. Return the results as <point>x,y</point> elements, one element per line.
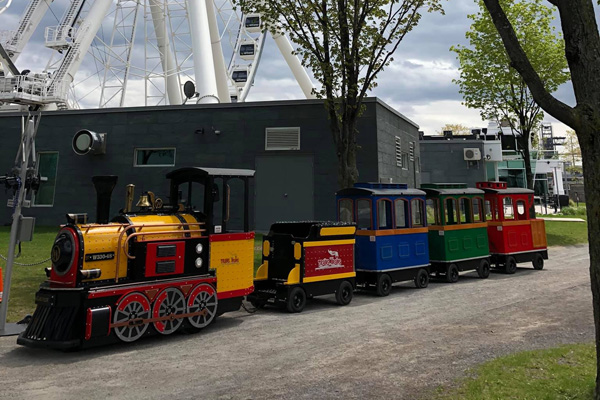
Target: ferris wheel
<point>113,53</point>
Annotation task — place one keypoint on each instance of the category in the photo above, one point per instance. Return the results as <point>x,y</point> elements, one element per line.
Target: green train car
<point>458,238</point>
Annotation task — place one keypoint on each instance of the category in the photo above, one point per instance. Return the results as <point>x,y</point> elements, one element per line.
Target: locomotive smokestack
<point>104,186</point>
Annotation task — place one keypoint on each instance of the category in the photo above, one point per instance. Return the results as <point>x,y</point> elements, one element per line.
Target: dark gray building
<point>460,159</point>
<point>288,143</point>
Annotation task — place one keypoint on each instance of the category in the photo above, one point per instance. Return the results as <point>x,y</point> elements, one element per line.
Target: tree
<point>346,44</point>
<point>582,49</point>
<point>457,129</point>
<point>572,151</point>
<point>489,83</point>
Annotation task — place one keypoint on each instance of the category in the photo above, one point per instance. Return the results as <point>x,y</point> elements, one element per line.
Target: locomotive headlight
<point>86,141</point>
<point>199,248</point>
<point>198,262</point>
<point>62,253</point>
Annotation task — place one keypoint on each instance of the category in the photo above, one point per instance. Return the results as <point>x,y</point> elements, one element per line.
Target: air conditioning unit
<point>472,154</point>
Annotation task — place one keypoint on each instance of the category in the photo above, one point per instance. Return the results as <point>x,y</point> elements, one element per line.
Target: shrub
<point>573,210</point>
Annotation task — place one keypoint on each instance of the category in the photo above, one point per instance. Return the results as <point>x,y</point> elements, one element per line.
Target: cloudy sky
<point>418,83</point>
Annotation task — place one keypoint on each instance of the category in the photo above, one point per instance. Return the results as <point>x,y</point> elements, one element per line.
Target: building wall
<point>192,131</point>
<point>442,161</point>
<point>390,127</point>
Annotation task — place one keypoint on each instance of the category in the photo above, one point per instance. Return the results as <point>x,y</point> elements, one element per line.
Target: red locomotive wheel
<point>202,297</point>
<point>169,303</point>
<point>133,308</point>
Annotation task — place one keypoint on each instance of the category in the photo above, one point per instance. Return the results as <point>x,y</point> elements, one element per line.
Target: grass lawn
<point>566,233</point>
<point>26,280</point>
<point>566,372</point>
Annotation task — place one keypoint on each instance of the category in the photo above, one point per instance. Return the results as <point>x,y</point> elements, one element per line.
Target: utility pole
<point>22,179</point>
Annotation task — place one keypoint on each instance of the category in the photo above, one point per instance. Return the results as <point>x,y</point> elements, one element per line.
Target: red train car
<point>514,233</point>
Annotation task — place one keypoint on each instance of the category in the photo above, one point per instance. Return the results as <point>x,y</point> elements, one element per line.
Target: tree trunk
<point>346,151</point>
<point>591,172</point>
<point>528,173</point>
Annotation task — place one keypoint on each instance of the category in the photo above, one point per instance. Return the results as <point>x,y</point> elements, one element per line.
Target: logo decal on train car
<point>110,255</point>
<point>334,261</point>
<point>234,259</point>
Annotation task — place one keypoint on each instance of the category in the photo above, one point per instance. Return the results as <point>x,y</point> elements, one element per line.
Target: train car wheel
<point>452,273</point>
<point>202,297</point>
<point>343,296</point>
<point>384,285</point>
<point>484,269</point>
<point>538,262</point>
<point>422,279</point>
<point>296,300</point>
<point>169,303</point>
<point>133,308</point>
<point>510,267</point>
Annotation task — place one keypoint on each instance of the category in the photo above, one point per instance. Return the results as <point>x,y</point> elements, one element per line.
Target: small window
<point>450,213</point>
<point>508,210</point>
<point>465,210</point>
<point>282,138</point>
<point>384,214</point>
<point>46,168</point>
<point>477,212</point>
<point>363,208</point>
<point>416,208</point>
<point>433,212</point>
<point>521,210</point>
<point>488,211</point>
<point>164,157</point>
<point>401,207</point>
<point>346,210</point>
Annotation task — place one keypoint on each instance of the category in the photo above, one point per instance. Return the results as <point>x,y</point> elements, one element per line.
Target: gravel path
<point>399,347</point>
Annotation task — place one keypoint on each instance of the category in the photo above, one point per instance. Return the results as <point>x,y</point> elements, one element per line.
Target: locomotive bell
<point>144,201</point>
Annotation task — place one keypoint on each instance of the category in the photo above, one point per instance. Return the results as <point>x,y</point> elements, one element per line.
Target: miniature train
<point>166,267</point>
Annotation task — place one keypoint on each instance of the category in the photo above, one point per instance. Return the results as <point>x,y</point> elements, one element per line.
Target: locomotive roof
<point>443,191</point>
<point>198,171</point>
<point>508,191</point>
<point>360,191</point>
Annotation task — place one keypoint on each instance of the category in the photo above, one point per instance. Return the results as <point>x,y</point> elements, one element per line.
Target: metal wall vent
<point>398,151</point>
<point>282,139</point>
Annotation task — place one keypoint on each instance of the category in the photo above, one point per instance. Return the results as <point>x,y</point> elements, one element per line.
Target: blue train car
<point>391,239</point>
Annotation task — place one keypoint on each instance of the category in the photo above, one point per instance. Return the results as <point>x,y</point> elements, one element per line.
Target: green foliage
<point>346,44</point>
<point>566,372</point>
<point>487,80</point>
<point>573,210</point>
<point>457,129</point>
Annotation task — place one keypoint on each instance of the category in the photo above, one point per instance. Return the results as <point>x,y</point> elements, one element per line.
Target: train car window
<point>234,193</point>
<point>191,195</point>
<point>488,211</point>
<point>477,214</point>
<point>384,214</point>
<point>450,213</point>
<point>433,212</point>
<point>416,208</point>
<point>401,208</point>
<point>363,211</point>
<point>346,210</point>
<point>521,210</point>
<point>507,208</point>
<point>466,216</point>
